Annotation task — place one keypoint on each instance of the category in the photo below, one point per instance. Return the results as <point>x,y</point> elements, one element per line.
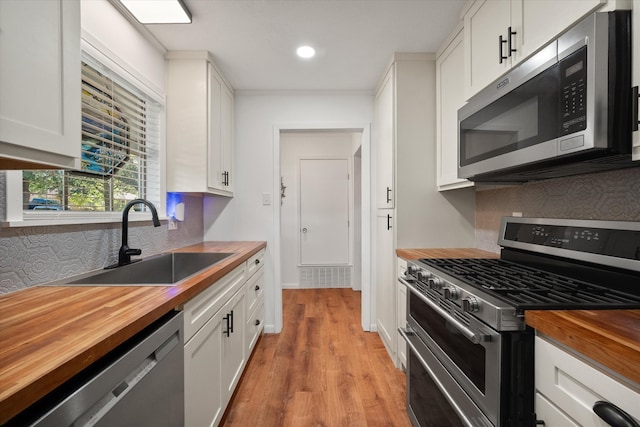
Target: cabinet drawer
<point>255,289</point>
<point>255,262</point>
<point>203,306</point>
<point>255,326</point>
<point>573,386</point>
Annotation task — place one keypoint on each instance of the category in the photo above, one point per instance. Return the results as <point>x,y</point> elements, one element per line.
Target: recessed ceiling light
<point>306,52</point>
<point>158,11</point>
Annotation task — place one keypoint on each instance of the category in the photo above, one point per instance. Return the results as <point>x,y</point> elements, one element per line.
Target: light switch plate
<point>266,199</point>
<point>172,224</point>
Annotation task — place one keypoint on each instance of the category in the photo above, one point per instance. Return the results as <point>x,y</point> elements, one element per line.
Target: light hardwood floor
<point>321,370</point>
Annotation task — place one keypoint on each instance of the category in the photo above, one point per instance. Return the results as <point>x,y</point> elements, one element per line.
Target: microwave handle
<point>634,108</point>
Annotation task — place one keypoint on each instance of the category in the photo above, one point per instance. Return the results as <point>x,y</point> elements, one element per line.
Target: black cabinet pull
<point>388,194</point>
<point>388,222</point>
<point>257,288</point>
<point>501,41</point>
<point>225,178</point>
<point>228,331</point>
<point>257,261</point>
<point>510,44</point>
<point>634,108</point>
<point>231,328</point>
<point>613,415</point>
<point>257,322</point>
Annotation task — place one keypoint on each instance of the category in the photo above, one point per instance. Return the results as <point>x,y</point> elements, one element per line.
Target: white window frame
<point>16,216</point>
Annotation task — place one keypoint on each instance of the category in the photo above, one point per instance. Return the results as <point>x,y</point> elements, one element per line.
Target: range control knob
<point>412,269</point>
<point>450,293</point>
<point>423,275</point>
<point>435,283</point>
<point>470,305</point>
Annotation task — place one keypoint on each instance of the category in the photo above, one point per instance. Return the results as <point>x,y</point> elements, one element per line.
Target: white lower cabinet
<point>255,309</point>
<point>222,325</point>
<point>568,386</point>
<point>232,316</point>
<point>202,376</point>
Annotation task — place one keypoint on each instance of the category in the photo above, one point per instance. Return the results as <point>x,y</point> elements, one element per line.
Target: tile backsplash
<point>604,196</point>
<point>35,255</point>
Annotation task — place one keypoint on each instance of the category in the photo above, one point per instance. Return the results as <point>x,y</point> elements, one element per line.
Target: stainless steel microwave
<point>564,111</point>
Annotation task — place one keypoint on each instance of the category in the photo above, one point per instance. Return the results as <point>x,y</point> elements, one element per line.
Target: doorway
<point>363,218</point>
<point>317,208</point>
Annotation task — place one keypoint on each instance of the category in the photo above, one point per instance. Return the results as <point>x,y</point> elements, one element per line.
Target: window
<point>120,158</point>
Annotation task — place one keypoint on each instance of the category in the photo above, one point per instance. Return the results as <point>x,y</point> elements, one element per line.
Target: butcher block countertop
<point>50,333</point>
<point>410,254</point>
<point>609,337</point>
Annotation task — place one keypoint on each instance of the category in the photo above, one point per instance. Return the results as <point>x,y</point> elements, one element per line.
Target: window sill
<point>31,219</point>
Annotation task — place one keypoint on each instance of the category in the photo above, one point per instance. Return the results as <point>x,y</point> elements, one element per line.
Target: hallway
<point>322,370</point>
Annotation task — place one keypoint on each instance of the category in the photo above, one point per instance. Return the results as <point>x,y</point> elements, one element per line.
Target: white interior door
<point>324,211</point>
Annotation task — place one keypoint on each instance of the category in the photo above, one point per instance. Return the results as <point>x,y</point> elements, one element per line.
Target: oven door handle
<point>407,333</point>
<point>466,332</point>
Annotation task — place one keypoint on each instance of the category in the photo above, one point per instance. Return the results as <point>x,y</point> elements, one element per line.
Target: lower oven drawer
<point>434,398</point>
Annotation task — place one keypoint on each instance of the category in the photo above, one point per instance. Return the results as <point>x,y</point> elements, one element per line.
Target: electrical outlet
<point>266,199</point>
<point>172,224</point>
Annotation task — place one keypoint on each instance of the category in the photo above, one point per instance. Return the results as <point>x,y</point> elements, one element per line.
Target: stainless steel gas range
<point>470,359</point>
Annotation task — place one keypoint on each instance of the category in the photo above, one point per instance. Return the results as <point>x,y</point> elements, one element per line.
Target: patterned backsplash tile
<point>34,255</point>
<point>606,196</point>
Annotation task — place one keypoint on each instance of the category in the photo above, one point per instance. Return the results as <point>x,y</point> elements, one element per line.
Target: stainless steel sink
<point>165,269</point>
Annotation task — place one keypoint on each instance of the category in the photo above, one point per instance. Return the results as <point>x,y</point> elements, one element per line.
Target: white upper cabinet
<point>498,34</point>
<point>40,84</point>
<point>486,46</point>
<point>635,23</point>
<point>199,125</point>
<point>449,98</point>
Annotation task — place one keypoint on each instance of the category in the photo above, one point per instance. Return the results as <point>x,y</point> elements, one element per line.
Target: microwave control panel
<point>573,80</point>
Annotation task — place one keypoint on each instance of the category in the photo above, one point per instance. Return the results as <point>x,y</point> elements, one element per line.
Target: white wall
<point>107,30</point>
<point>293,147</point>
<point>258,119</point>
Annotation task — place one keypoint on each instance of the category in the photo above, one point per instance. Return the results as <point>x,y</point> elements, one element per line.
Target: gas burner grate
<point>531,288</point>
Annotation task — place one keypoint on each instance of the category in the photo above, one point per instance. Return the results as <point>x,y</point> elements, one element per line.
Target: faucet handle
<point>130,251</point>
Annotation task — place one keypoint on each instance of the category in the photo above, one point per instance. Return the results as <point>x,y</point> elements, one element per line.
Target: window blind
<point>120,158</point>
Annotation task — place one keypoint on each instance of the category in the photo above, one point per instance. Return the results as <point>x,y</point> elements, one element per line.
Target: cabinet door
<point>202,375</point>
<point>385,280</point>
<point>542,20</point>
<point>40,82</point>
<point>635,22</point>
<point>226,136</point>
<point>385,140</point>
<point>214,172</point>
<point>450,97</point>
<point>484,23</point>
<point>233,320</point>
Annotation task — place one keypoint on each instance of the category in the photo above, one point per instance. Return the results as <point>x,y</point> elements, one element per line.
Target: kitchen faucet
<point>124,255</point>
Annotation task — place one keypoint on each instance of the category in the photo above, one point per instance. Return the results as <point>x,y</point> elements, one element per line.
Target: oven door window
<point>470,358</point>
<point>523,117</point>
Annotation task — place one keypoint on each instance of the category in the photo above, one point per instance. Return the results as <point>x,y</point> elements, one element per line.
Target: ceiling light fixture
<point>158,11</point>
<point>306,52</point>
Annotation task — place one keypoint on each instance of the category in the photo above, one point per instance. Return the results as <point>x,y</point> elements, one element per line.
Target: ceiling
<point>254,41</point>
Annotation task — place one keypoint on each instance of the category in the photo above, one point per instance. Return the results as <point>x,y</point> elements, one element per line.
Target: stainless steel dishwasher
<point>141,383</point>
